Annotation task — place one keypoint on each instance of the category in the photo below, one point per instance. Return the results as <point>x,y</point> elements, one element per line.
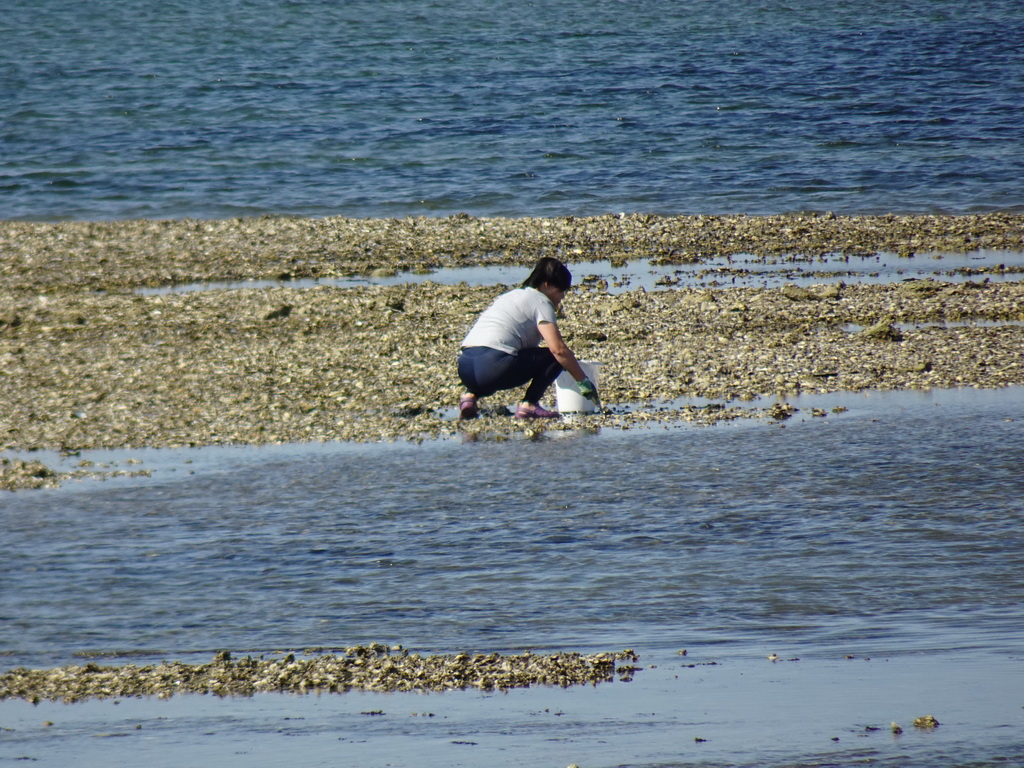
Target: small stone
<point>883,331</point>
<point>280,313</point>
<point>796,293</point>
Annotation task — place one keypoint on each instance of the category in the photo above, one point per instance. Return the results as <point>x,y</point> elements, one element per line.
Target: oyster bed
<point>86,362</point>
<point>70,256</point>
<point>374,667</point>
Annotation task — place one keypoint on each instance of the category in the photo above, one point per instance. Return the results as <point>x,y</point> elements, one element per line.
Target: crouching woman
<point>502,350</point>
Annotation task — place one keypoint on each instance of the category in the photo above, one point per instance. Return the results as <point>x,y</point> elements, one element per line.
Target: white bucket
<point>567,393</point>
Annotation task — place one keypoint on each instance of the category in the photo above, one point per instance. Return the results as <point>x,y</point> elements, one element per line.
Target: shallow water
<point>801,527</point>
<point>740,271</point>
<point>746,713</point>
<point>890,531</point>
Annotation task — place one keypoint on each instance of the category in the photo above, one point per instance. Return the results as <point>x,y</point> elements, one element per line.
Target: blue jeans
<point>484,371</point>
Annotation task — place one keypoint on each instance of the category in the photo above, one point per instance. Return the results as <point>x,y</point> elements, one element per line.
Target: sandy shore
<point>86,362</point>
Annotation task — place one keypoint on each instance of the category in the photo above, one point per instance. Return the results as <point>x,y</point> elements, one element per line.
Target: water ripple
<point>368,109</point>
<point>817,533</point>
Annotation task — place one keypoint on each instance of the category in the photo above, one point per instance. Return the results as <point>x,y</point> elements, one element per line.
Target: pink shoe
<point>468,408</point>
<point>535,412</point>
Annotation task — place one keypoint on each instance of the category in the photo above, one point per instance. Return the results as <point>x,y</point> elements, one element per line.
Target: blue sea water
<point>174,108</point>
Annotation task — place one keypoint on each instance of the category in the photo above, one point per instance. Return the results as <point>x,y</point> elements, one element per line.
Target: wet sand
<point>89,362</point>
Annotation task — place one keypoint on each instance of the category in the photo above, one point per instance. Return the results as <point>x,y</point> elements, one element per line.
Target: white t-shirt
<point>511,322</point>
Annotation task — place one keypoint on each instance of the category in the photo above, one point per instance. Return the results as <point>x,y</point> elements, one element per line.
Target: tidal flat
<point>89,361</point>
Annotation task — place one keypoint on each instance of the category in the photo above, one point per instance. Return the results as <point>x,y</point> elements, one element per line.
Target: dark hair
<point>551,271</point>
